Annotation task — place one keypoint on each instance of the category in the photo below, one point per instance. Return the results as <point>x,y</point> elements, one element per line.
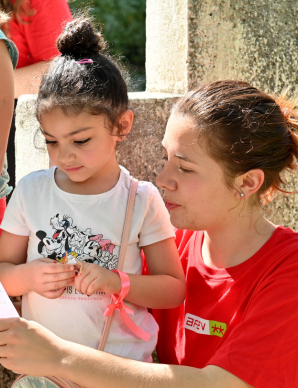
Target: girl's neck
<point>232,244</point>
<point>96,184</point>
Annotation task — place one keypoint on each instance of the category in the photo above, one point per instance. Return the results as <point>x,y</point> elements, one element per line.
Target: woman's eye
<point>181,169</point>
<point>81,142</point>
<point>164,158</point>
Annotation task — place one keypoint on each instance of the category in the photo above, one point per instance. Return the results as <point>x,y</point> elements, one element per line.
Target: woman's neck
<point>233,243</point>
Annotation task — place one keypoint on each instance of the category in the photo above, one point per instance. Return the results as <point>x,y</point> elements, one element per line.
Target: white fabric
<point>90,226</point>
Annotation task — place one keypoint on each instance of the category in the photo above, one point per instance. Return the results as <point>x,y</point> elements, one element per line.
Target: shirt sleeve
<point>42,29</point>
<point>14,218</point>
<point>156,224</point>
<point>262,349</point>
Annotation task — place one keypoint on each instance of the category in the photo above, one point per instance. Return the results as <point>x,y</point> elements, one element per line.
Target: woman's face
<point>195,190</point>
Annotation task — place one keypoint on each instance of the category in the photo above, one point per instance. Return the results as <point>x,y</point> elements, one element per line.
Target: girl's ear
<point>125,123</point>
<point>249,183</point>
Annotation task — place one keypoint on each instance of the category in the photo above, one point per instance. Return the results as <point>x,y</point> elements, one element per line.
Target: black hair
<point>97,87</point>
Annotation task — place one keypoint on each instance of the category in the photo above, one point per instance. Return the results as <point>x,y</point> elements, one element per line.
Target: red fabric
<point>258,300</point>
<point>36,39</point>
<point>2,210</point>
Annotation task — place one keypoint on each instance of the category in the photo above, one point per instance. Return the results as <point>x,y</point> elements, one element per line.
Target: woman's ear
<point>125,123</point>
<point>249,183</point>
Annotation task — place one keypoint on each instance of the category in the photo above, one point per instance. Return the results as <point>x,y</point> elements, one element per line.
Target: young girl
<point>79,207</point>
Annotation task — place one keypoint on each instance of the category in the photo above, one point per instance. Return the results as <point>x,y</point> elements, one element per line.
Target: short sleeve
<point>14,220</point>
<point>156,224</point>
<point>262,349</point>
<point>12,49</point>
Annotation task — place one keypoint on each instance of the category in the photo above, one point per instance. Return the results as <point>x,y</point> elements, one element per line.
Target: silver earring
<point>242,195</point>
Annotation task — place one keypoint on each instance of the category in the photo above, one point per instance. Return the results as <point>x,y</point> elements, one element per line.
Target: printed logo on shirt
<point>204,326</point>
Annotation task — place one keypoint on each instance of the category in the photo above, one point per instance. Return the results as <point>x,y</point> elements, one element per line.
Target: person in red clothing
<point>226,148</point>
<point>34,27</point>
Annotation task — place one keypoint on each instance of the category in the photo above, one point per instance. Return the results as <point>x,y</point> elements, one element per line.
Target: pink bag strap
<point>122,253</point>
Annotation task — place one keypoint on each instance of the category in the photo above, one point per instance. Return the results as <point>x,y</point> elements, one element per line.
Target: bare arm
<point>32,349</point>
<point>6,99</point>
<point>27,79</point>
<point>163,288</point>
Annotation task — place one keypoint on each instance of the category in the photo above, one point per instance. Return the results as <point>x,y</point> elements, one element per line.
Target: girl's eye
<point>50,142</point>
<point>164,158</point>
<point>81,142</point>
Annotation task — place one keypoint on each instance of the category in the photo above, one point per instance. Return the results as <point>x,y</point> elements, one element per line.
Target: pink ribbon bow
<point>123,309</point>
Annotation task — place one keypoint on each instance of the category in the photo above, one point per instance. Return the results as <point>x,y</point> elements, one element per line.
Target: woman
<point>226,145</point>
<point>34,27</point>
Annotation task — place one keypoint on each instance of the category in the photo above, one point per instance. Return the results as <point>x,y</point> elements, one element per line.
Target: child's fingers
<point>58,276</point>
<point>82,282</point>
<point>57,284</point>
<point>58,268</point>
<point>93,287</point>
<point>54,294</point>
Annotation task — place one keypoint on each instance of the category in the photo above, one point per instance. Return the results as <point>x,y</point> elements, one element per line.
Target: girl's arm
<point>163,288</point>
<point>40,275</point>
<point>6,99</point>
<point>30,348</point>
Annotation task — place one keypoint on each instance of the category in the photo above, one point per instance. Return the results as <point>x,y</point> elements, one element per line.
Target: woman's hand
<point>94,278</point>
<point>27,347</point>
<point>48,279</point>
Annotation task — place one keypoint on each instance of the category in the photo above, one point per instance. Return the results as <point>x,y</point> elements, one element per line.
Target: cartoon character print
<point>78,244</point>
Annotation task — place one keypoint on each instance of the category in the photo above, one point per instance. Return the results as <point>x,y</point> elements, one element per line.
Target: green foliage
<point>123,24</point>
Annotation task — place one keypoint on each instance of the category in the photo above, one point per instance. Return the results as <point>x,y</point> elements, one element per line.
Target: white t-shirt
<point>89,227</point>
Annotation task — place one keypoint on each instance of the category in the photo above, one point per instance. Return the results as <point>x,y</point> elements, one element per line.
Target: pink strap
<point>124,310</point>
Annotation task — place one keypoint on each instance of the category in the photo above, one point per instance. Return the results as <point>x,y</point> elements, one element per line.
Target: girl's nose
<point>165,180</point>
<point>65,155</point>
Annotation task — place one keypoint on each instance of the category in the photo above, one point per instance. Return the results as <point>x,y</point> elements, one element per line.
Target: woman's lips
<point>73,169</point>
<point>171,205</point>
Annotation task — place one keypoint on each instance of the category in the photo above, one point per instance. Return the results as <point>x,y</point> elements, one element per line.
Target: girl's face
<point>80,145</point>
<point>196,193</point>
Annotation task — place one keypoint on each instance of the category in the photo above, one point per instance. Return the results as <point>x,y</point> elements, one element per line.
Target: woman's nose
<point>165,179</point>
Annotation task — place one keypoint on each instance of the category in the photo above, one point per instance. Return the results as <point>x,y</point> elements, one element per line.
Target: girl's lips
<point>73,169</point>
<point>171,205</point>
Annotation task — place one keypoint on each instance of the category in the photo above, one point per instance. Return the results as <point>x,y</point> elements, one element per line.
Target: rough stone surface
<point>31,152</point>
<point>252,40</point>
<point>166,46</point>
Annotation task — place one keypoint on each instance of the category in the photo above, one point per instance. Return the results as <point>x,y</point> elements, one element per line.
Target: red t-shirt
<point>36,37</point>
<point>242,318</point>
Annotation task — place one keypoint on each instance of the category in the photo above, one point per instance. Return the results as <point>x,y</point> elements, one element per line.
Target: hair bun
<point>80,38</point>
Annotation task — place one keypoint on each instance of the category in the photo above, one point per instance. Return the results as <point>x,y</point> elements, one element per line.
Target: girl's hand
<point>48,279</point>
<point>95,278</point>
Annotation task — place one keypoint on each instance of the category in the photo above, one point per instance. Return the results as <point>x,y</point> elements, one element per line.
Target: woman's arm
<point>27,79</point>
<point>163,288</point>
<point>6,99</point>
<point>27,347</point>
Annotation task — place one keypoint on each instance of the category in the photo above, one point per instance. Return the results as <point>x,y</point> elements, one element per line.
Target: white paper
<point>7,309</point>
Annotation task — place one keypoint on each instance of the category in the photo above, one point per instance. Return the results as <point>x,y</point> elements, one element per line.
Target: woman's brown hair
<point>243,128</point>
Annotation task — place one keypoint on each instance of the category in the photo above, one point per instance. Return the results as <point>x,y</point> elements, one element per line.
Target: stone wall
<point>252,40</point>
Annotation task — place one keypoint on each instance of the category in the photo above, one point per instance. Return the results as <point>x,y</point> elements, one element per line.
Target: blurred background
<point>123,26</point>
